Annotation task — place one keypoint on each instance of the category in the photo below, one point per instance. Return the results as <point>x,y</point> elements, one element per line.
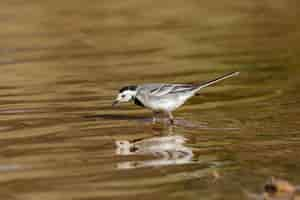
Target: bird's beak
<point>115,103</point>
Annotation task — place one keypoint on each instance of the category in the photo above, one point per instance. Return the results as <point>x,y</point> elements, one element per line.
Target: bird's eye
<point>123,95</point>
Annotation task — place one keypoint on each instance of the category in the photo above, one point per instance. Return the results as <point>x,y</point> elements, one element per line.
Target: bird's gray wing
<point>182,88</point>
<point>164,89</point>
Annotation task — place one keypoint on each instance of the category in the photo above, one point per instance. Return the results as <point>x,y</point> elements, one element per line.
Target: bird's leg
<point>154,119</point>
<point>171,118</point>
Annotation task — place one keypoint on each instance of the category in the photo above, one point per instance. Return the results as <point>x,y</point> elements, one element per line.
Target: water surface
<point>62,63</point>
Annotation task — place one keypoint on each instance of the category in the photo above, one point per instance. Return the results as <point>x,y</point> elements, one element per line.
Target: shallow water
<point>62,63</point>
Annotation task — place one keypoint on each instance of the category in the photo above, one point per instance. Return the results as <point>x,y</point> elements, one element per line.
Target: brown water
<point>62,63</point>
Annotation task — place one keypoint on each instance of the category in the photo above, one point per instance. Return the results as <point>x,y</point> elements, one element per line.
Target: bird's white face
<point>125,96</point>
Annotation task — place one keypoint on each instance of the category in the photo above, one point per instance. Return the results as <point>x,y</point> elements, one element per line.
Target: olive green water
<point>62,63</point>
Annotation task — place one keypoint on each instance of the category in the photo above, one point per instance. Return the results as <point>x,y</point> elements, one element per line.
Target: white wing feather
<point>172,89</point>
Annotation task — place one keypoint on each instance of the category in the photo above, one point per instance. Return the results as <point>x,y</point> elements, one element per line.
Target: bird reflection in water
<point>167,150</point>
<point>277,189</point>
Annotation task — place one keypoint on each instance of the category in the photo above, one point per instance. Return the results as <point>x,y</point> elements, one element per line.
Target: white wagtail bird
<point>160,97</point>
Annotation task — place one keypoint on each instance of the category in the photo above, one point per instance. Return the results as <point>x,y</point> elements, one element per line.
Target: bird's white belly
<point>164,104</point>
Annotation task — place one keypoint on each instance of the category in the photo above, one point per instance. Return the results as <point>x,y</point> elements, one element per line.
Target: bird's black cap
<point>130,87</point>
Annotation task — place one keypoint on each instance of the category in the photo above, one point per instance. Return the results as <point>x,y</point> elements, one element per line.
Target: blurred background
<point>63,62</point>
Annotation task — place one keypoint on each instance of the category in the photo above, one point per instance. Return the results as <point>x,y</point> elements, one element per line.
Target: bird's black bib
<point>138,102</point>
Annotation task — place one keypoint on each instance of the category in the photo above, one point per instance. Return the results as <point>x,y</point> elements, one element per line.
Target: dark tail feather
<point>211,82</point>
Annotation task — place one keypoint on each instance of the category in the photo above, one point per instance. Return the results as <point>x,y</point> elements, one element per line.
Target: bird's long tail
<point>211,82</point>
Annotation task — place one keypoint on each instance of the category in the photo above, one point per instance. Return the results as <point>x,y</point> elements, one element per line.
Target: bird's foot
<point>171,118</point>
<point>154,120</point>
<point>172,121</point>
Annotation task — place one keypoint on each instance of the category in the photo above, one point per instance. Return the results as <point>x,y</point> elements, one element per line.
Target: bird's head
<point>125,94</point>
